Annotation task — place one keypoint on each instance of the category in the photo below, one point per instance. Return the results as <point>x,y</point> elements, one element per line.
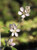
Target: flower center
<point>14,31</point>
<point>23,12</point>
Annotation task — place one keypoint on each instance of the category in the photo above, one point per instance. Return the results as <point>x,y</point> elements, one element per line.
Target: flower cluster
<point>13,28</point>
<point>24,12</point>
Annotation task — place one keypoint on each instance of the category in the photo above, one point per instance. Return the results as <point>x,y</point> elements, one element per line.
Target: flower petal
<point>23,16</point>
<point>21,9</point>
<point>12,34</point>
<point>11,30</point>
<point>16,34</point>
<point>12,44</point>
<point>25,11</point>
<point>18,30</point>
<point>10,25</point>
<point>20,13</point>
<point>27,14</point>
<point>27,7</point>
<point>14,26</point>
<point>10,40</point>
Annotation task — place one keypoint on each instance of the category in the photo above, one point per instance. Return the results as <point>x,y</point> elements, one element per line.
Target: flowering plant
<point>14,28</point>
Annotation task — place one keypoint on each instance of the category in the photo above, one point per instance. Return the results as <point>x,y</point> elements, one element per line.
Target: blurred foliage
<point>9,14</point>
<point>14,48</point>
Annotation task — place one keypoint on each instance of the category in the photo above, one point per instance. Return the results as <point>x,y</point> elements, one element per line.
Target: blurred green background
<point>9,14</point>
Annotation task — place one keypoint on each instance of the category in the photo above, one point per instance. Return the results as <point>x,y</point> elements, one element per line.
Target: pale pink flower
<point>10,42</point>
<point>24,12</point>
<point>14,31</point>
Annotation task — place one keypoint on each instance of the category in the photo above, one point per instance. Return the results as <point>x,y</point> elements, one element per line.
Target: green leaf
<point>15,7</point>
<point>34,33</point>
<point>35,2</point>
<point>5,29</point>
<point>24,4</point>
<point>1,23</point>
<point>14,48</point>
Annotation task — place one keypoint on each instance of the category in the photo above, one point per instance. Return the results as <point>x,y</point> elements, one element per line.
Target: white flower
<point>14,31</point>
<point>24,12</point>
<point>10,42</point>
